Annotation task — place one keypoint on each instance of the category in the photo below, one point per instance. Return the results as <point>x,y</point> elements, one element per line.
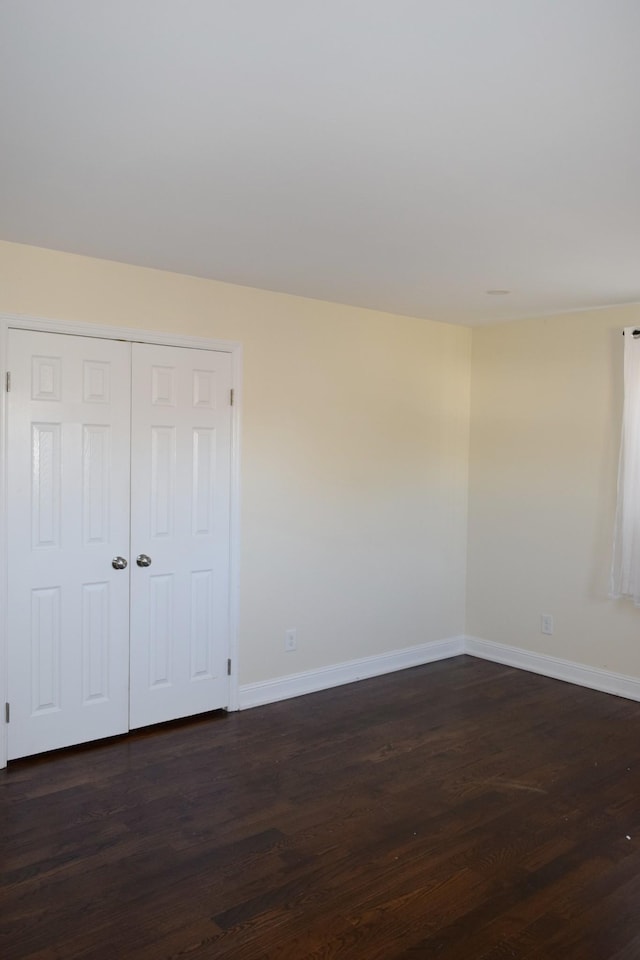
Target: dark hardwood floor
<point>457,810</point>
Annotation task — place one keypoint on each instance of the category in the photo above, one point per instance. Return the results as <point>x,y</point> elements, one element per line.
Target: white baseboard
<point>298,684</point>
<point>593,677</point>
<point>311,681</point>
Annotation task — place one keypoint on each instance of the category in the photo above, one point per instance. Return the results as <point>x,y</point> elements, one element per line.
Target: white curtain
<point>625,567</point>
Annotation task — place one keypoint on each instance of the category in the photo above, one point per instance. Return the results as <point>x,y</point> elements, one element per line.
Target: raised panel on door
<point>180,469</point>
<point>68,494</point>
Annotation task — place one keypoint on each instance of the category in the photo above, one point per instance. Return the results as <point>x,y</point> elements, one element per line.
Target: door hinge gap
<point>8,381</point>
<point>229,667</point>
<point>7,712</point>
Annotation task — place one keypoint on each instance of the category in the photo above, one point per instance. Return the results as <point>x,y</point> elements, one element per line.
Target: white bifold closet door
<point>180,468</point>
<point>118,536</point>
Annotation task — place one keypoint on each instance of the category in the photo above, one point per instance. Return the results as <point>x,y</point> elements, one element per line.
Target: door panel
<point>180,469</point>
<point>68,494</point>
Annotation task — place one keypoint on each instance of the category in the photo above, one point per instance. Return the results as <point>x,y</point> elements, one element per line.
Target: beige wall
<point>546,412</point>
<point>354,452</point>
<point>354,464</point>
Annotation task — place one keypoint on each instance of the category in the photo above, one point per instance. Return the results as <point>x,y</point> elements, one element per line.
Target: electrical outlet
<point>546,624</point>
<point>290,640</point>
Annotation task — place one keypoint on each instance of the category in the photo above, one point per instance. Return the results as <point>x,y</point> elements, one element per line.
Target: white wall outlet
<point>546,624</point>
<point>291,640</point>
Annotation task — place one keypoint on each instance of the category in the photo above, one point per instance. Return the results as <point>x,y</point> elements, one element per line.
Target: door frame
<point>133,335</point>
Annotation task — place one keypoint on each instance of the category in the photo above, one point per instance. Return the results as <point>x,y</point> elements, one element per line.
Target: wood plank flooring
<point>457,810</point>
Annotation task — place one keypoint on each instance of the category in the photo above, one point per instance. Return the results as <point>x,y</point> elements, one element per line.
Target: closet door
<point>180,467</point>
<point>68,518</point>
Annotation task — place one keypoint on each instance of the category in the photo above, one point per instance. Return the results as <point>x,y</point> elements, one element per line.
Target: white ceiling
<point>406,155</point>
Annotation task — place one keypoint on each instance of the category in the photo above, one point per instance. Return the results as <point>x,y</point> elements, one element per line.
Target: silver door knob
<point>143,560</point>
<point>119,563</point>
